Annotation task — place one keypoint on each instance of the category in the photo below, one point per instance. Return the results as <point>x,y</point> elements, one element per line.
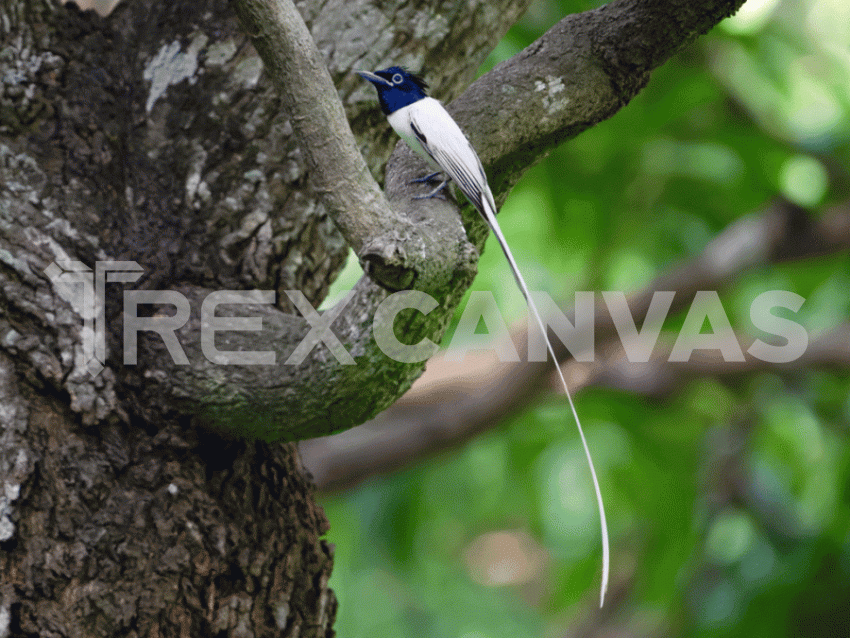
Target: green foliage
<point>727,501</point>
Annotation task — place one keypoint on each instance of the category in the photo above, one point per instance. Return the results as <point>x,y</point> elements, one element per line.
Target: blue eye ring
<point>397,79</point>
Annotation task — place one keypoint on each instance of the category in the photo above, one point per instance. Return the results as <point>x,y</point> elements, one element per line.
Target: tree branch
<point>261,401</point>
<point>397,253</point>
<point>579,73</point>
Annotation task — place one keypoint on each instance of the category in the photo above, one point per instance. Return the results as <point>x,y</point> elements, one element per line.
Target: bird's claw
<point>434,192</point>
<point>425,179</point>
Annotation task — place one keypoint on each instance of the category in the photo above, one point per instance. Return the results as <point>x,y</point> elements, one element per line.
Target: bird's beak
<point>374,79</point>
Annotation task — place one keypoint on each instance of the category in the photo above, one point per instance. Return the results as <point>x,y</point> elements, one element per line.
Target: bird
<point>428,129</point>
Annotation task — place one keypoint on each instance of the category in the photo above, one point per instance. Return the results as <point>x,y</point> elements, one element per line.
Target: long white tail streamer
<point>490,218</point>
<point>432,133</point>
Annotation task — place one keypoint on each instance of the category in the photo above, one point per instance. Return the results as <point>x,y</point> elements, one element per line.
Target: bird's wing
<point>444,141</point>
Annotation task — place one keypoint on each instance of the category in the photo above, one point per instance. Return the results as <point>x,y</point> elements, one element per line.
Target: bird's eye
<point>397,79</point>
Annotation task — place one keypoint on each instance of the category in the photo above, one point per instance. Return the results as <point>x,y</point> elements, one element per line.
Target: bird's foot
<point>434,192</point>
<point>425,179</point>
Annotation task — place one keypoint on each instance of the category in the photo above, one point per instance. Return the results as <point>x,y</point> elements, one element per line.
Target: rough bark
<point>154,136</point>
<point>121,531</point>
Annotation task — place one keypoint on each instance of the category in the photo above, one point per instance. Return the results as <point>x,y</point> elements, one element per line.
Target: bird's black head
<point>397,87</point>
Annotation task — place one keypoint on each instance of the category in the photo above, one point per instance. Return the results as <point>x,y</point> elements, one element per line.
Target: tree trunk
<point>118,517</point>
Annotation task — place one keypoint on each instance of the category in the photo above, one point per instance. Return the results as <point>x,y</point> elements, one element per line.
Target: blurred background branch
<point>451,402</point>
